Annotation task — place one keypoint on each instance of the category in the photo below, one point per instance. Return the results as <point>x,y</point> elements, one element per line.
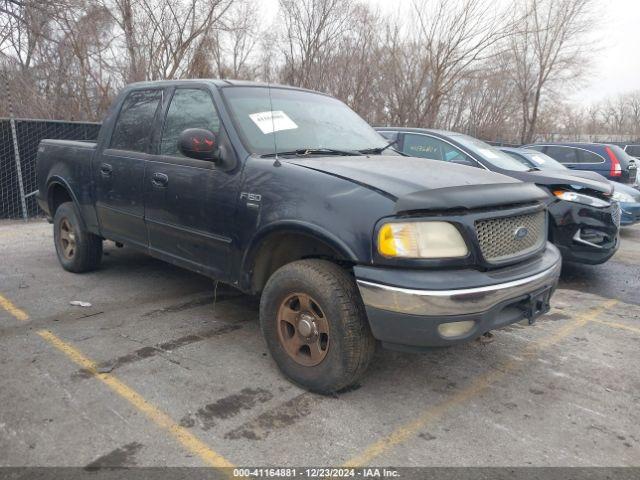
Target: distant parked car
<point>583,219</point>
<point>632,149</point>
<point>628,197</point>
<point>608,160</point>
<point>541,161</point>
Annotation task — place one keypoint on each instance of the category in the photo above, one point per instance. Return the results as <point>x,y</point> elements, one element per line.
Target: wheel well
<point>57,196</point>
<point>282,248</point>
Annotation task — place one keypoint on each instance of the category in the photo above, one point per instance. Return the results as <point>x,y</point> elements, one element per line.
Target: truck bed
<point>65,161</point>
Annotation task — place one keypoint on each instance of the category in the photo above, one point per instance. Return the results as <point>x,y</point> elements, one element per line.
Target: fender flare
<point>60,181</point>
<point>294,227</point>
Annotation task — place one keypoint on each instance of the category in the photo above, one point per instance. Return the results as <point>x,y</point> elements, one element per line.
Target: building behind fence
<point>19,139</point>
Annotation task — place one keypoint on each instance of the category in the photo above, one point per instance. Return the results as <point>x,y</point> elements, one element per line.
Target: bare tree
<point>234,43</point>
<point>313,29</point>
<point>452,36</point>
<point>548,48</point>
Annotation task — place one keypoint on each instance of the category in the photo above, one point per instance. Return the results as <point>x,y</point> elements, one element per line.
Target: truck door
<point>118,169</point>
<point>189,203</point>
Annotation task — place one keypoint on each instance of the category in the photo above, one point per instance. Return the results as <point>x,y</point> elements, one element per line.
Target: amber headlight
<point>421,240</point>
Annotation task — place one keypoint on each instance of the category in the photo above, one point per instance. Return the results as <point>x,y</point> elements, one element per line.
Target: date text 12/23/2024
<point>316,472</point>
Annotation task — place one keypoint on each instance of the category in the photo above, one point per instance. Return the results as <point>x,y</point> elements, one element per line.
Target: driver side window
<point>190,108</point>
<point>424,146</point>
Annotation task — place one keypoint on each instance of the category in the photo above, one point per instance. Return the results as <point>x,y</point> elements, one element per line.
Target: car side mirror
<point>199,143</point>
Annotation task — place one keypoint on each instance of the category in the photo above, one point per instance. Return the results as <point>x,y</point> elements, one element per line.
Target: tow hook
<point>486,338</point>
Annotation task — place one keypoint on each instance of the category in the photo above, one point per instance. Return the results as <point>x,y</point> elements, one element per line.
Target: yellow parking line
<point>621,326</point>
<point>189,441</point>
<point>13,310</point>
<point>413,427</point>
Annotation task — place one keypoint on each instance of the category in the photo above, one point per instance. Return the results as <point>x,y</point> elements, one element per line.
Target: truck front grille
<point>509,237</point>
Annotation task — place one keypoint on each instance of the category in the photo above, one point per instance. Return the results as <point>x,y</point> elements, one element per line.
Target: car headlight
<point>421,240</point>
<point>581,198</point>
<point>623,197</point>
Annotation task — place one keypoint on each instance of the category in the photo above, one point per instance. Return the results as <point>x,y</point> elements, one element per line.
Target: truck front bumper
<point>410,310</point>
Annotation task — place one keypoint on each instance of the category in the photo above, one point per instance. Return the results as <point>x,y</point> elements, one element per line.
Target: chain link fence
<point>19,139</point>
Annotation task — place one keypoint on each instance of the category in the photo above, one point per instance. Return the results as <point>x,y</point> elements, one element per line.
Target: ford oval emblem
<point>520,233</point>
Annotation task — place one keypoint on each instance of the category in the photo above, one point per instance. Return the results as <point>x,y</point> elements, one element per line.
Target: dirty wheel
<point>67,239</point>
<point>77,250</point>
<point>315,325</point>
<point>303,329</point>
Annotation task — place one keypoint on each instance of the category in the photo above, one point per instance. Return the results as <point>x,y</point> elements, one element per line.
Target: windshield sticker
<point>488,153</point>
<point>538,159</point>
<point>269,122</point>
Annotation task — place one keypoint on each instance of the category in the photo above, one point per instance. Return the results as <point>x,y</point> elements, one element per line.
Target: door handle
<point>159,180</point>
<point>106,170</point>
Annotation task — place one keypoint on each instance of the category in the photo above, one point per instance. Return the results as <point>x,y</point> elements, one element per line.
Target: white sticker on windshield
<point>269,122</point>
<point>538,159</point>
<point>488,153</point>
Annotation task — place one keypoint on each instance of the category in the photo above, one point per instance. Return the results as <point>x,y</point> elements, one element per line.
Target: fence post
<point>16,151</point>
<point>16,154</point>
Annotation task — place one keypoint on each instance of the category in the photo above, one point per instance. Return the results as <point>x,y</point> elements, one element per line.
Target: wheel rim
<point>67,239</point>
<point>303,329</point>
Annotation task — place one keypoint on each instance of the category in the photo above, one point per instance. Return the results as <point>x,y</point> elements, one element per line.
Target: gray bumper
<point>452,302</point>
<point>410,317</point>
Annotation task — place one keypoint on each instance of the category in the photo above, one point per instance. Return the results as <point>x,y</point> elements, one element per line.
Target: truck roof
<point>217,82</point>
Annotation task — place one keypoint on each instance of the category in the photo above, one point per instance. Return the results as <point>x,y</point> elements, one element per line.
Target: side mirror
<point>198,143</point>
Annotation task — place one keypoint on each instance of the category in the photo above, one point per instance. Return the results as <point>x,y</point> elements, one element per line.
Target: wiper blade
<point>301,152</point>
<point>378,149</point>
<point>534,169</point>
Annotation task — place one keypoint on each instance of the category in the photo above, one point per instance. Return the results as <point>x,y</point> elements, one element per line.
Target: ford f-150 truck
<point>287,193</point>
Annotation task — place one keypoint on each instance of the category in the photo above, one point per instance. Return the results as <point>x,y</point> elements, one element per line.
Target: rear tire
<point>78,250</point>
<point>315,325</point>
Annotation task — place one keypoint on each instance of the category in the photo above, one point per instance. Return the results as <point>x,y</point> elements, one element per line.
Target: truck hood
<point>399,176</point>
<point>566,177</point>
<point>419,184</point>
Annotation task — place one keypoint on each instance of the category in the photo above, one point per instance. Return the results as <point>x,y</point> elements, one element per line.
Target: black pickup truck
<point>289,194</point>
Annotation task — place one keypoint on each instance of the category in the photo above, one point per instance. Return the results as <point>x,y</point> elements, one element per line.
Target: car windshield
<point>491,154</point>
<point>539,160</point>
<point>283,120</point>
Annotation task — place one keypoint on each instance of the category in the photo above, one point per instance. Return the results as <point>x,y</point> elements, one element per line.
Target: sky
<point>615,62</point>
<point>616,66</point>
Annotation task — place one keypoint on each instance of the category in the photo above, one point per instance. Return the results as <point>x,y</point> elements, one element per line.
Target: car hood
<point>562,177</point>
<point>621,187</point>
<point>418,183</point>
<point>577,173</point>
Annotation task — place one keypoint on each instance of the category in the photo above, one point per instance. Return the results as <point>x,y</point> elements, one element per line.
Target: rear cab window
<point>134,125</point>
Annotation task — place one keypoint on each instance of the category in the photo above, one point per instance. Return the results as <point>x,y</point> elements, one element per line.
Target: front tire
<point>315,325</point>
<point>78,250</point>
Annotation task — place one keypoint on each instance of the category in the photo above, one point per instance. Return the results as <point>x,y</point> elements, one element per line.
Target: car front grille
<point>505,238</point>
<point>616,214</point>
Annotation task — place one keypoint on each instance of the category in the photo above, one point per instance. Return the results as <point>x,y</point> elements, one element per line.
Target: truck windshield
<point>491,154</point>
<point>290,120</point>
